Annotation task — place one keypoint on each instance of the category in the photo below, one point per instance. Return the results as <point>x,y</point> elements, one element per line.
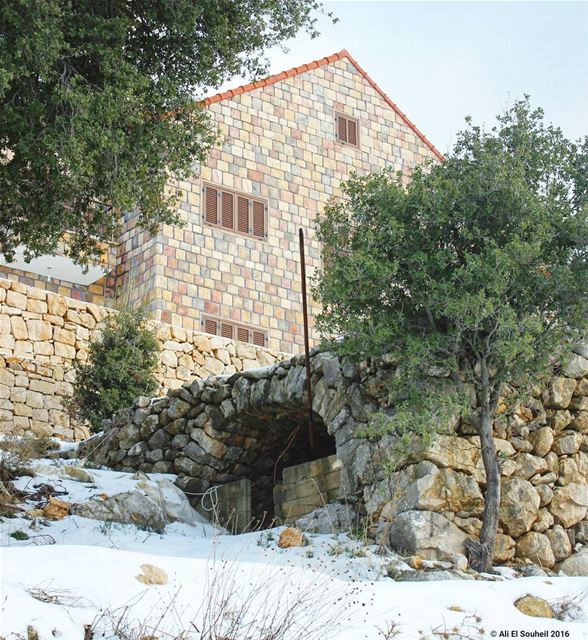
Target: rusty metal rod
<point>306,347</point>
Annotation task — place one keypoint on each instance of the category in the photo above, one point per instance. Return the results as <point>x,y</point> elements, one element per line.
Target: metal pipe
<point>306,347</point>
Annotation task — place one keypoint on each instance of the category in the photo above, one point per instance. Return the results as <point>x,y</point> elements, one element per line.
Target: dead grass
<point>270,607</point>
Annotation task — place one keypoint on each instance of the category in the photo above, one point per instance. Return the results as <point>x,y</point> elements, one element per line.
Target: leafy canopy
<point>120,368</point>
<point>478,267</point>
<point>97,106</point>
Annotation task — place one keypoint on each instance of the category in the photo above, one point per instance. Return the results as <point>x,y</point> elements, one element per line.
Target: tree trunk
<point>480,552</point>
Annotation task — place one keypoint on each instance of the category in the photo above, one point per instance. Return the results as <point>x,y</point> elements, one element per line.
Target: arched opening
<point>279,440</point>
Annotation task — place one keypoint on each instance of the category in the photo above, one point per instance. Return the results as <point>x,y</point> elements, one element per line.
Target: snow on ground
<point>334,588</point>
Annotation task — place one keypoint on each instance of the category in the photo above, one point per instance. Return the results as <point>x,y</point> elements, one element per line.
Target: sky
<point>441,61</point>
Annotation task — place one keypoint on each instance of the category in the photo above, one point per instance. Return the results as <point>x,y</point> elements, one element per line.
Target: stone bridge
<point>253,424</point>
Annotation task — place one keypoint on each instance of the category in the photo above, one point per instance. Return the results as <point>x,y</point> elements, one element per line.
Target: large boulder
<point>569,504</point>
<point>576,565</point>
<point>519,506</point>
<point>560,392</point>
<point>575,367</point>
<point>504,548</point>
<point>172,501</point>
<point>542,440</point>
<point>332,518</point>
<point>426,534</point>
<point>455,452</point>
<point>425,487</point>
<point>536,548</point>
<point>130,507</point>
<point>560,542</point>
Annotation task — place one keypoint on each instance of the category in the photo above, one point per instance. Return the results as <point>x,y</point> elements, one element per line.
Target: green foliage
<point>19,535</point>
<point>120,368</point>
<point>97,106</point>
<point>477,268</point>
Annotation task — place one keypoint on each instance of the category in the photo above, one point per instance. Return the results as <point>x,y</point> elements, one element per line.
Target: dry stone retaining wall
<point>225,429</point>
<point>43,333</point>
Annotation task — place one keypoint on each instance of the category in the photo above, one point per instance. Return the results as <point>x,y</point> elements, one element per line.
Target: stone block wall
<point>226,429</point>
<point>279,144</point>
<point>306,487</point>
<point>43,333</point>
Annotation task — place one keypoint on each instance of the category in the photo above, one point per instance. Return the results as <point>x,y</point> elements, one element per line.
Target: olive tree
<point>478,267</point>
<point>97,106</point>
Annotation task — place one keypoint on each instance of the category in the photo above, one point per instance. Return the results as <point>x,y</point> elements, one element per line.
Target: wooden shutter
<point>227,209</point>
<point>243,334</point>
<point>351,132</point>
<point>342,128</point>
<point>258,338</point>
<point>242,214</point>
<point>210,326</point>
<point>211,205</point>
<point>226,330</point>
<point>258,219</point>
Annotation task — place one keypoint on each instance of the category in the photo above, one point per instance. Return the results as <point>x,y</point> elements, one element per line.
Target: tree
<point>120,368</point>
<point>477,267</point>
<point>97,106</point>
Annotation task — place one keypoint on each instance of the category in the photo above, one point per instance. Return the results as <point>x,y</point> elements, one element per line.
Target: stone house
<point>287,142</point>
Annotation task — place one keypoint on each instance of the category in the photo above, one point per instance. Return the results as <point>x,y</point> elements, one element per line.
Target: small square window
<point>347,129</point>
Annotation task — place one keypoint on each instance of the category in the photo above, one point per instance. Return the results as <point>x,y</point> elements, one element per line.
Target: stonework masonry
<point>42,334</point>
<point>279,144</point>
<point>227,429</point>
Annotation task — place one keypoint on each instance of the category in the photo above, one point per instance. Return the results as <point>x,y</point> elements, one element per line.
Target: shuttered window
<point>347,129</point>
<point>234,211</point>
<point>234,331</point>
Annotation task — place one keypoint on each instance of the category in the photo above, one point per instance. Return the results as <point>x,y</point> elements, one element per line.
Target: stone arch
<point>223,429</point>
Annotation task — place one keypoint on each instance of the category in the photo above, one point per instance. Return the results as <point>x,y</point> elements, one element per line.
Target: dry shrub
<point>268,607</point>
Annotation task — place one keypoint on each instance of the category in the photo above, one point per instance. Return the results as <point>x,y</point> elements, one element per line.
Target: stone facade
<point>227,429</point>
<point>279,144</point>
<point>42,334</point>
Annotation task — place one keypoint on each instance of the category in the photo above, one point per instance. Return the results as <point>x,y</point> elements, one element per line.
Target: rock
<point>536,547</point>
<point>545,494</point>
<point>427,534</point>
<point>425,487</point>
<point>581,531</point>
<point>560,392</point>
<point>568,443</point>
<point>455,452</point>
<point>291,537</point>
<point>56,509</point>
<point>152,575</point>
<point>172,500</point>
<point>535,607</point>
<point>529,465</point>
<point>519,506</point>
<point>131,507</point>
<point>543,522</point>
<point>332,518</point>
<point>559,420</point>
<point>542,440</point>
<point>431,576</point>
<point>504,548</point>
<point>79,474</point>
<point>178,408</point>
<point>576,564</point>
<point>532,571</point>
<point>575,367</point>
<point>569,504</point>
<point>560,542</point>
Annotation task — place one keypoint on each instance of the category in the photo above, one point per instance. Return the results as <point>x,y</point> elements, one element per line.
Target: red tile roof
<point>231,93</point>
